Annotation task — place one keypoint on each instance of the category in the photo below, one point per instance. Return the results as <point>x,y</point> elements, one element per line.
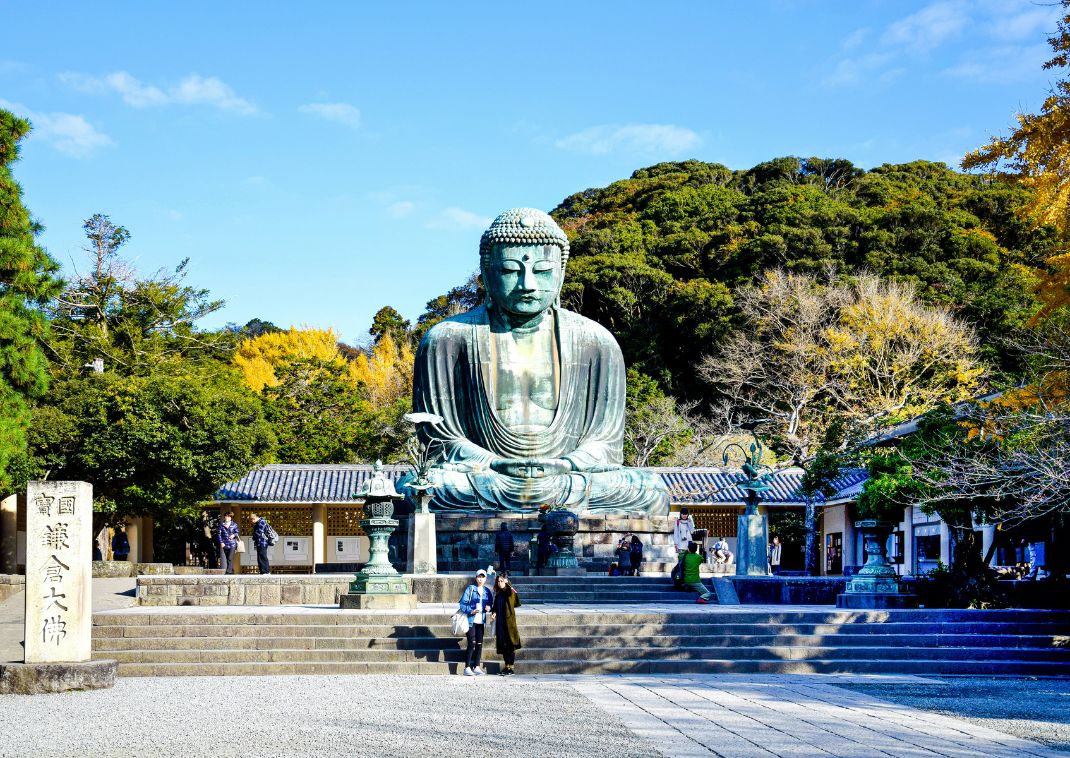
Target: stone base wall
<point>466,542</point>
<point>779,590</point>
<point>323,589</point>
<point>242,590</point>
<point>112,569</point>
<point>11,584</point>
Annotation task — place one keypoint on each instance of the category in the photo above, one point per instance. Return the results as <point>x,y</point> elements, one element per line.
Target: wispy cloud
<point>193,89</point>
<point>642,139</point>
<point>400,209</point>
<point>985,26</point>
<point>929,27</point>
<point>1000,65</point>
<point>458,219</point>
<point>340,113</point>
<point>68,133</point>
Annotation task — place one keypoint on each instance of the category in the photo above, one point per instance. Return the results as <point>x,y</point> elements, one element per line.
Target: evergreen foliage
<point>27,283</point>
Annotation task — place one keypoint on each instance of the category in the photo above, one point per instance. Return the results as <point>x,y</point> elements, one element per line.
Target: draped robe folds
<point>453,377</point>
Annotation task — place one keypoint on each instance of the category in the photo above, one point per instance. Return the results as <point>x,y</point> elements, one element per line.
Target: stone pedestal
<point>402,599</point>
<point>59,563</point>
<point>752,544</point>
<point>423,544</point>
<point>47,678</point>
<point>876,585</point>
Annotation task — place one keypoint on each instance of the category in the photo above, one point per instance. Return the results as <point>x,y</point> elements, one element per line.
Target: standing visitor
<point>681,536</point>
<point>692,576</point>
<point>637,554</point>
<point>542,549</point>
<point>774,555</point>
<point>208,541</point>
<point>503,546</point>
<point>228,541</point>
<point>506,634</point>
<point>120,544</point>
<point>476,602</point>
<point>624,555</point>
<point>263,538</point>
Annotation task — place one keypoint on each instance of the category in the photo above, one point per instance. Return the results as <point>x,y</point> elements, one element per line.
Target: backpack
<point>271,535</point>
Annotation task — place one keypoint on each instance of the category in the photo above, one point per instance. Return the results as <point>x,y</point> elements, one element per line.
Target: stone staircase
<point>247,641</point>
<point>602,590</point>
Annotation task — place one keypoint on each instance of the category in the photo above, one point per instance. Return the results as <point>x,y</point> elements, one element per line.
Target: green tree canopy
<point>27,283</point>
<point>656,257</point>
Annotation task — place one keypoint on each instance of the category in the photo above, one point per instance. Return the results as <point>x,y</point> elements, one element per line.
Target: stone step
<point>328,615</point>
<point>538,625</point>
<point>654,641</point>
<point>922,666</point>
<point>777,653</point>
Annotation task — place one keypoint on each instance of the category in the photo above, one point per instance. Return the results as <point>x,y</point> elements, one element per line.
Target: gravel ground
<point>1030,708</point>
<point>410,716</point>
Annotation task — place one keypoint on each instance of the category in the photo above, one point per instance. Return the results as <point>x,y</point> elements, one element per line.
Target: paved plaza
<point>413,716</point>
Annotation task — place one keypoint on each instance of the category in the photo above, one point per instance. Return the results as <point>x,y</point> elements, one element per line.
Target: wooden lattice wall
<point>289,521</point>
<point>345,521</point>
<point>721,522</point>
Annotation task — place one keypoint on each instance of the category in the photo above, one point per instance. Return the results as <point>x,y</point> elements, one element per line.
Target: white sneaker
<point>478,671</point>
<point>468,672</point>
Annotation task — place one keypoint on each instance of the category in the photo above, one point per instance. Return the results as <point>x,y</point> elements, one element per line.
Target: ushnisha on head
<point>522,259</point>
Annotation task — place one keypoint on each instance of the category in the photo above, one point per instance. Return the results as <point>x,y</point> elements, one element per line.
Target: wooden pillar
<point>243,529</point>
<point>319,534</point>
<point>133,535</point>
<point>9,534</point>
<point>146,539</point>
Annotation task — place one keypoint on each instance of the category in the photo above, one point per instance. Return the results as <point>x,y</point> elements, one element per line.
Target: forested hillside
<point>656,257</point>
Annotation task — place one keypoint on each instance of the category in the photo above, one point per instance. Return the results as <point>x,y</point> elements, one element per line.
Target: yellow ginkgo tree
<point>1037,155</point>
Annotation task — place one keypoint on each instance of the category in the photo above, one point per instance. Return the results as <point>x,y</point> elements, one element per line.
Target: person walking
<point>503,546</point>
<point>637,554</point>
<point>775,551</point>
<point>506,634</point>
<point>207,540</point>
<point>262,534</point>
<point>476,602</point>
<point>228,541</point>
<point>624,555</point>
<point>120,544</point>
<point>692,574</point>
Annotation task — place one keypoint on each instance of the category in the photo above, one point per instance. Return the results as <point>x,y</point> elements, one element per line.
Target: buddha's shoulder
<point>576,323</point>
<point>457,326</point>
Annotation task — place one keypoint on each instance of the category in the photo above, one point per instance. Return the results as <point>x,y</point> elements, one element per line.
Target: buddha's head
<point>522,258</point>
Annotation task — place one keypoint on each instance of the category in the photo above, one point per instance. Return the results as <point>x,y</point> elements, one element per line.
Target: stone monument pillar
<point>423,537</point>
<point>59,594</point>
<point>59,566</point>
<point>752,541</point>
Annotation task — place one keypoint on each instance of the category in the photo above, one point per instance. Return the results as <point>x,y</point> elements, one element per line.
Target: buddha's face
<point>523,279</point>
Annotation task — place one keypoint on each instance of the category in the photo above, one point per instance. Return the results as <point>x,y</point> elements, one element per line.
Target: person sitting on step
<point>692,576</point>
<point>721,553</point>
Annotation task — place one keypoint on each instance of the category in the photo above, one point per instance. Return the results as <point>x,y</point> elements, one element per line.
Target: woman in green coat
<point>507,637</point>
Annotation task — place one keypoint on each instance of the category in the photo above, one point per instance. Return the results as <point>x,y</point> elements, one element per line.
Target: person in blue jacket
<point>476,602</point>
<point>228,539</point>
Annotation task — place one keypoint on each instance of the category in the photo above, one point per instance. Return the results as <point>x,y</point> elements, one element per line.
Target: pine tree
<point>27,283</point>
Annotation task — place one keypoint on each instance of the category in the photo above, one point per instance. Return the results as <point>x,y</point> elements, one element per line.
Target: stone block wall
<point>242,590</point>
<point>466,542</point>
<point>11,584</point>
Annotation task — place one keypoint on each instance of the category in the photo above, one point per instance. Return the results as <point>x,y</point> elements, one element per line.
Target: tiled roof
<point>716,486</point>
<point>336,483</point>
<point>294,483</point>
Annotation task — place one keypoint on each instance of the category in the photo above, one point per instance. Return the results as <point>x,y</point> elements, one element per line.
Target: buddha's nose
<point>528,281</point>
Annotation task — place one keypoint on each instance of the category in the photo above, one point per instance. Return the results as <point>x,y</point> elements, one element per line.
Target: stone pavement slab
<point>788,716</point>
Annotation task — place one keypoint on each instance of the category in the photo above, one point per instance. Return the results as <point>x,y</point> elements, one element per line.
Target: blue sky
<point>317,161</point>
